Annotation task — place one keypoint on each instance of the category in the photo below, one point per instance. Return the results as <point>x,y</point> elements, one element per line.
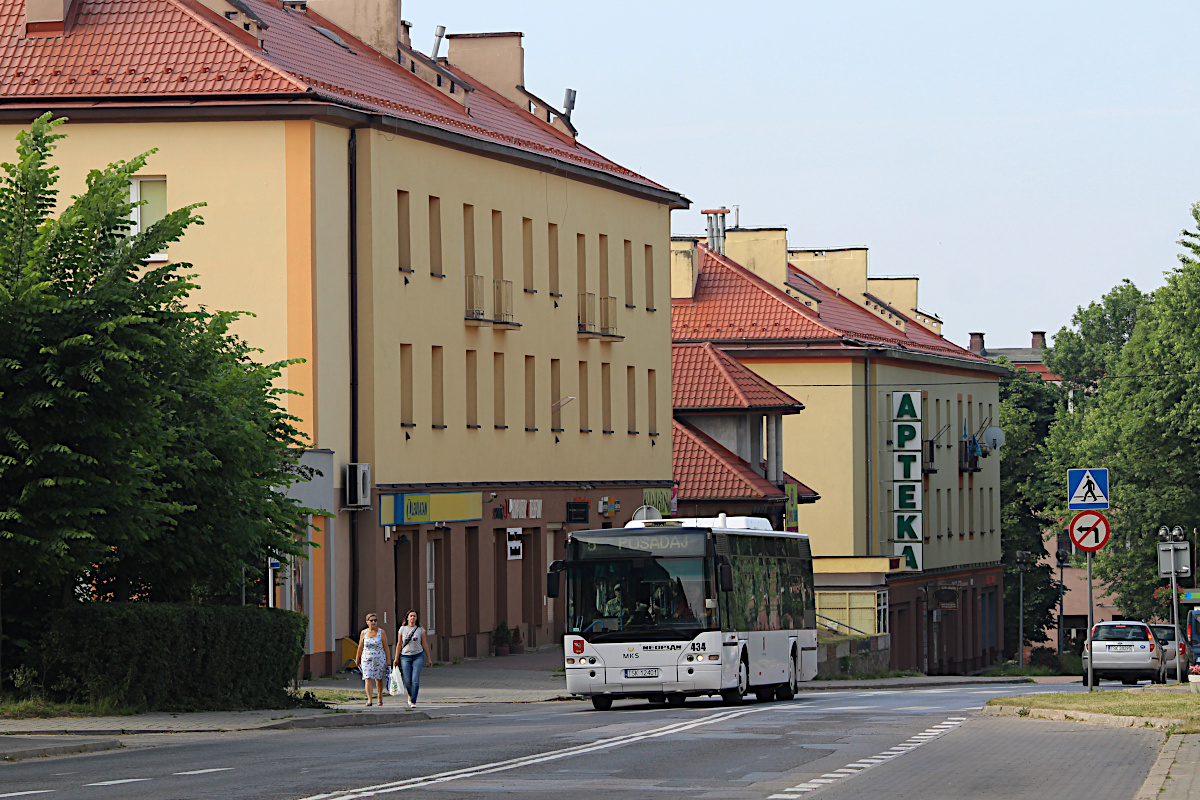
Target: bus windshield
<point>640,599</point>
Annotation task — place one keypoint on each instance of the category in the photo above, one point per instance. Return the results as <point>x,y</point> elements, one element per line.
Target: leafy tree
<point>142,450</point>
<point>1028,406</point>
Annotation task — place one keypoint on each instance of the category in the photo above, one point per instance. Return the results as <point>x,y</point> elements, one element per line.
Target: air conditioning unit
<point>358,485</point>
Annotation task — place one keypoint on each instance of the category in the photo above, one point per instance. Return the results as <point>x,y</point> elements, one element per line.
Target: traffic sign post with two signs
<point>1087,493</point>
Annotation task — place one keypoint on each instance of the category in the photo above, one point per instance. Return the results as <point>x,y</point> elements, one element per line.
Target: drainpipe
<point>352,159</point>
<point>870,460</point>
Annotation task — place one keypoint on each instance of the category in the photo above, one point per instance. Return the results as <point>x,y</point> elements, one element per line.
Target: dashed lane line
<point>23,794</point>
<point>203,771</point>
<point>119,781</point>
<point>811,785</point>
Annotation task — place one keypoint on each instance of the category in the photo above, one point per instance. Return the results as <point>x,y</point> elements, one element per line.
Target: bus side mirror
<point>724,574</point>
<point>552,578</point>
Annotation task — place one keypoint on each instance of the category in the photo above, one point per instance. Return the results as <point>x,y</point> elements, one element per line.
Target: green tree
<point>142,449</point>
<point>1028,406</point>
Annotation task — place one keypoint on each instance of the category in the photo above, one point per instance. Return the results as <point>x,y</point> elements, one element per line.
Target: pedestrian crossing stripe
<point>1087,489</point>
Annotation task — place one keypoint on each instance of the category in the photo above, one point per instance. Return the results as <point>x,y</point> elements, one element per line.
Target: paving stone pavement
<point>1183,781</point>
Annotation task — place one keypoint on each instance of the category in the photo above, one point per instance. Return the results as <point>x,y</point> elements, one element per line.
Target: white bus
<point>677,608</point>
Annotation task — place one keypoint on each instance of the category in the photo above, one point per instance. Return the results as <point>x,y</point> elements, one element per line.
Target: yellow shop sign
<point>412,509</point>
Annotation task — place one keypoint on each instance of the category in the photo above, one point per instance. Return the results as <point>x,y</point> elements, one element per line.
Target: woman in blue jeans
<point>411,647</point>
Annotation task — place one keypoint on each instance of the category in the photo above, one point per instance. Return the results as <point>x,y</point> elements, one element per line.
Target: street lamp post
<point>1024,559</point>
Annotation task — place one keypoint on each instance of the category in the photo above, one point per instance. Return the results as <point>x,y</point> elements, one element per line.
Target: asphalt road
<point>833,744</point>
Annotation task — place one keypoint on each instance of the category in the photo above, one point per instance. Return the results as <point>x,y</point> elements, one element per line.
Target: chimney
<point>716,229</point>
<point>494,59</point>
<point>977,343</point>
<point>377,24</point>
<point>1039,340</point>
<point>405,33</point>
<point>46,17</point>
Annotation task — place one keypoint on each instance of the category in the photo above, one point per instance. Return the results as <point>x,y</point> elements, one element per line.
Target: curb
<point>1154,782</point>
<point>1111,720</point>
<point>351,720</point>
<point>60,750</point>
<point>929,685</point>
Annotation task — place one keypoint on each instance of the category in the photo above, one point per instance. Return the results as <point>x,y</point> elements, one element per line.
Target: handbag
<point>395,682</point>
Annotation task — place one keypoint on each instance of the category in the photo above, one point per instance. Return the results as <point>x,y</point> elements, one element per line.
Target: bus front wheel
<point>601,703</point>
<point>734,696</point>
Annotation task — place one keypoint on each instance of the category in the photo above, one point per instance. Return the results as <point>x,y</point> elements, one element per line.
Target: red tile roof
<point>706,470</point>
<point>731,303</point>
<point>147,51</point>
<point>704,378</point>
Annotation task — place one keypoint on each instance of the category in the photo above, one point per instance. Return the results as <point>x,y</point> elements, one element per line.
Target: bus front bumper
<point>592,680</point>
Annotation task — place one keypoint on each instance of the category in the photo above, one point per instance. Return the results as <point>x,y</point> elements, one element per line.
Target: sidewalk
<point>1183,778</point>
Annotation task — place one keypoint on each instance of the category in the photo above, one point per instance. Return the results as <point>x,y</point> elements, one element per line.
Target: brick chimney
<point>977,343</point>
<point>1039,340</point>
<point>496,60</point>
<point>46,17</point>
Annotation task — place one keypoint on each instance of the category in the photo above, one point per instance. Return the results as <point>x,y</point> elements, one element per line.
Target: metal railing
<point>837,624</point>
<point>608,316</point>
<point>503,307</point>
<point>587,312</point>
<point>475,307</point>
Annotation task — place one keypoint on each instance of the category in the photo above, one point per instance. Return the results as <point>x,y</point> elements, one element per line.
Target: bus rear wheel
<point>788,690</point>
<point>601,703</point>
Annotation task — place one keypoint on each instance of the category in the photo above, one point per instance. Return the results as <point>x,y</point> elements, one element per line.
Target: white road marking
<point>862,765</point>
<point>114,783</point>
<point>524,761</point>
<point>203,771</point>
<point>32,791</point>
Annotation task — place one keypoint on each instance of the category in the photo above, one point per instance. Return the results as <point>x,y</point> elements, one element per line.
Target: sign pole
<point>1175,619</point>
<point>1021,634</point>
<point>1090,622</point>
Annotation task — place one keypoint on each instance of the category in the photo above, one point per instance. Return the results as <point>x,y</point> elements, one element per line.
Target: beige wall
<point>763,251</point>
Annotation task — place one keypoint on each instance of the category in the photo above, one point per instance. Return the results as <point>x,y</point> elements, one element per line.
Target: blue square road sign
<point>1087,489</point>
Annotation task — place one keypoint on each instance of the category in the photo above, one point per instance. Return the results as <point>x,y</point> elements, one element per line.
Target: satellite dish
<point>647,513</point>
<point>993,437</point>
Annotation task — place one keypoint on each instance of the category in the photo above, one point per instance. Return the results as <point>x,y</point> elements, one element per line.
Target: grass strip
<point>1170,705</point>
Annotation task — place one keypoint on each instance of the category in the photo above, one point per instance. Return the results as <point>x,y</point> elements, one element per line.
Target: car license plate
<point>1121,648</point>
<point>641,673</point>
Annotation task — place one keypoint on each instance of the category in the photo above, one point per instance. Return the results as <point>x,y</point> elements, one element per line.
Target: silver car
<point>1173,646</point>
<point>1125,651</point>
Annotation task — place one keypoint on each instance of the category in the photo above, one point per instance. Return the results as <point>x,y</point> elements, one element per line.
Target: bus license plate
<point>641,673</point>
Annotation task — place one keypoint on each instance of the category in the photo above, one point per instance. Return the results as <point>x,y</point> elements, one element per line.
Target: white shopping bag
<point>395,682</point>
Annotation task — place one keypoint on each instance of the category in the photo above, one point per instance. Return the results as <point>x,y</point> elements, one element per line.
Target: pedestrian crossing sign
<point>1087,489</point>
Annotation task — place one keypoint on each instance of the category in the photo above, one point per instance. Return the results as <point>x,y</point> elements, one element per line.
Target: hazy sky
<point>1020,158</point>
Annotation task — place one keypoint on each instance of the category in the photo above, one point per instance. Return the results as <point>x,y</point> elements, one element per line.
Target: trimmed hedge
<point>167,657</point>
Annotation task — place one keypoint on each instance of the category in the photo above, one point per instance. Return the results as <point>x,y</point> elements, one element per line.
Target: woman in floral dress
<point>372,657</point>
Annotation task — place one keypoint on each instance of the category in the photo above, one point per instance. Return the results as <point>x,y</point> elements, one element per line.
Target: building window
<point>649,277</point>
<point>430,586</point>
<point>603,265</point>
<point>468,228</point>
<point>584,398</point>
<point>498,390</point>
<point>403,232</point>
<point>606,397</point>
<point>631,398</point>
<point>527,252</point>
<point>435,234</point>
<point>497,245</point>
<point>652,402</point>
<point>472,387</point>
<point>436,387</point>
<point>530,394</point>
<point>629,274</point>
<point>149,196</point>
<point>881,611</point>
<point>556,398</point>
<point>406,385</point>
<point>581,263</point>
<point>552,258</point>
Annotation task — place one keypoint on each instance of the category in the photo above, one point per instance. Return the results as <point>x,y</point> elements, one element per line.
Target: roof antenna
<point>437,40</point>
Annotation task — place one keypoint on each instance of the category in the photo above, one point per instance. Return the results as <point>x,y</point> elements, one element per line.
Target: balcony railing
<point>608,316</point>
<point>503,301</point>
<point>475,308</point>
<point>587,312</point>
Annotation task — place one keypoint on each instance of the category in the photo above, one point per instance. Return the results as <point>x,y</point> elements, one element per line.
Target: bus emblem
<point>577,646</point>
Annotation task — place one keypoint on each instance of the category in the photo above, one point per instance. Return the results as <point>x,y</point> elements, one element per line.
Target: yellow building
<point>479,300</point>
<point>907,533</point>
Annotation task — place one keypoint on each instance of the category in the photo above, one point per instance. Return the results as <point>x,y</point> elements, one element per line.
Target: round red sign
<point>1089,530</point>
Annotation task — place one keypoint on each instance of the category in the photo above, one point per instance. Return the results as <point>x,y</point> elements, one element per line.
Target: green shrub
<point>1043,657</point>
<point>166,657</point>
<point>502,636</point>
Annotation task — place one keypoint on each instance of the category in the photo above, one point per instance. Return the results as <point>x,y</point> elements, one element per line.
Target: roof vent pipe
<point>712,233</point>
<point>716,229</point>
<point>568,103</point>
<point>437,40</point>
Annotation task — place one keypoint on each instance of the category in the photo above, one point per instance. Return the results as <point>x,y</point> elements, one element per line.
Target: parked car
<point>1126,651</point>
<point>1173,646</point>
